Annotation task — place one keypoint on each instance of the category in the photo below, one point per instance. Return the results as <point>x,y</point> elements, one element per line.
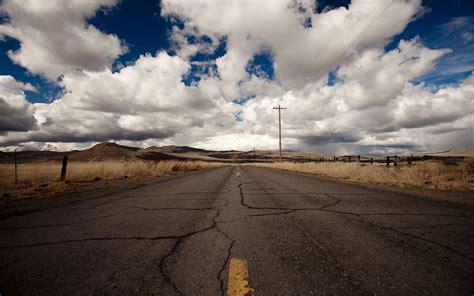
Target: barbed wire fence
<point>15,169</point>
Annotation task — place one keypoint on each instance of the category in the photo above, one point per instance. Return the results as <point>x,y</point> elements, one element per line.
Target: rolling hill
<point>104,151</point>
<point>113,151</point>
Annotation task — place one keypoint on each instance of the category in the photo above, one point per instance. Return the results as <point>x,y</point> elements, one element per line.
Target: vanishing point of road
<point>240,229</point>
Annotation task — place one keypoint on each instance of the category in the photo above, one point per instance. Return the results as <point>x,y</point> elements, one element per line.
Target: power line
<point>332,64</point>
<point>362,33</point>
<point>306,66</point>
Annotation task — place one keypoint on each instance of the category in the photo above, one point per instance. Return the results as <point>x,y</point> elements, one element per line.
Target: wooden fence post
<point>358,158</point>
<point>64,168</point>
<point>371,160</point>
<point>388,161</point>
<point>349,159</point>
<point>16,170</point>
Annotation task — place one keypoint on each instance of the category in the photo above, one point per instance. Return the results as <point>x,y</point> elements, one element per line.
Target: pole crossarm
<point>279,108</point>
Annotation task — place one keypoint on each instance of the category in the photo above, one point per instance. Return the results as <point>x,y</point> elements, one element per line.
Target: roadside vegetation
<point>426,174</point>
<point>43,178</point>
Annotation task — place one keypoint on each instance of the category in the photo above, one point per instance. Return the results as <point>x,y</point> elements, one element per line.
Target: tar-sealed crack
<point>416,226</point>
<point>166,278</point>
<point>5,266</point>
<point>171,208</point>
<point>287,210</point>
<point>66,224</point>
<point>246,205</point>
<point>220,277</point>
<point>417,237</point>
<point>331,204</point>
<point>175,247</point>
<point>138,238</point>
<point>122,196</point>
<point>178,239</point>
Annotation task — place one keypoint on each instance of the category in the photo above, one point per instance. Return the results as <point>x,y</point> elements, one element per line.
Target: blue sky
<point>116,65</point>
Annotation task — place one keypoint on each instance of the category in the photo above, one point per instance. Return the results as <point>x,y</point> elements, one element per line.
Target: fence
<point>31,168</point>
<point>15,169</point>
<point>392,160</point>
<point>37,170</point>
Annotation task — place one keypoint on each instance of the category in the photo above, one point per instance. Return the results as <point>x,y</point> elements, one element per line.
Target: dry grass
<point>34,178</point>
<point>433,175</point>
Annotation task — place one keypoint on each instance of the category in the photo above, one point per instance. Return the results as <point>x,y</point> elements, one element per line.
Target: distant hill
<point>4,155</point>
<point>105,151</point>
<point>177,149</point>
<point>112,151</point>
<point>31,156</point>
<point>465,153</point>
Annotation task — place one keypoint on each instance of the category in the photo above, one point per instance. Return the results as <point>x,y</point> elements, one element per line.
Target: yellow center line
<point>238,284</point>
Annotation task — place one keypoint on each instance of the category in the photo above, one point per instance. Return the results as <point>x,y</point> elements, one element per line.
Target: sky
<point>361,76</point>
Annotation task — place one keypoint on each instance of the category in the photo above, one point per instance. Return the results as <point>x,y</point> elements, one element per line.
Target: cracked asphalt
<point>301,235</point>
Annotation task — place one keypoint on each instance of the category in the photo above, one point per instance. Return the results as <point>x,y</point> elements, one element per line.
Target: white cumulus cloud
<point>55,37</point>
<point>372,104</point>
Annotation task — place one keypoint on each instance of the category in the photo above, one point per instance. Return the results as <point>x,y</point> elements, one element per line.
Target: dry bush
<point>430,174</point>
<point>32,177</point>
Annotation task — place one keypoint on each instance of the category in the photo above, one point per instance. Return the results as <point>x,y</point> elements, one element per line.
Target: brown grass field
<point>34,178</point>
<point>427,174</point>
<point>41,179</point>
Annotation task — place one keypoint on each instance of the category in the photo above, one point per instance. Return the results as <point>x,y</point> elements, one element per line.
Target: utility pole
<point>16,169</point>
<point>279,124</point>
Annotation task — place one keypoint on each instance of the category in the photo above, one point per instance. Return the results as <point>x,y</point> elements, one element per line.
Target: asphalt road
<point>299,235</point>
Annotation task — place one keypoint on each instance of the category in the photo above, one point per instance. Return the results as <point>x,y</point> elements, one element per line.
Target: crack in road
<point>178,239</point>
<point>15,261</point>
<point>65,224</point>
<point>310,193</point>
<point>328,256</point>
<point>291,211</point>
<point>87,240</point>
<point>221,271</point>
<point>171,208</point>
<point>110,239</point>
<point>140,209</point>
<point>324,209</point>
<point>122,196</point>
<point>175,247</point>
<point>331,204</point>
<point>419,238</point>
<point>166,278</point>
<point>214,226</point>
<point>177,243</point>
<point>67,203</point>
<point>416,226</point>
<point>229,253</point>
